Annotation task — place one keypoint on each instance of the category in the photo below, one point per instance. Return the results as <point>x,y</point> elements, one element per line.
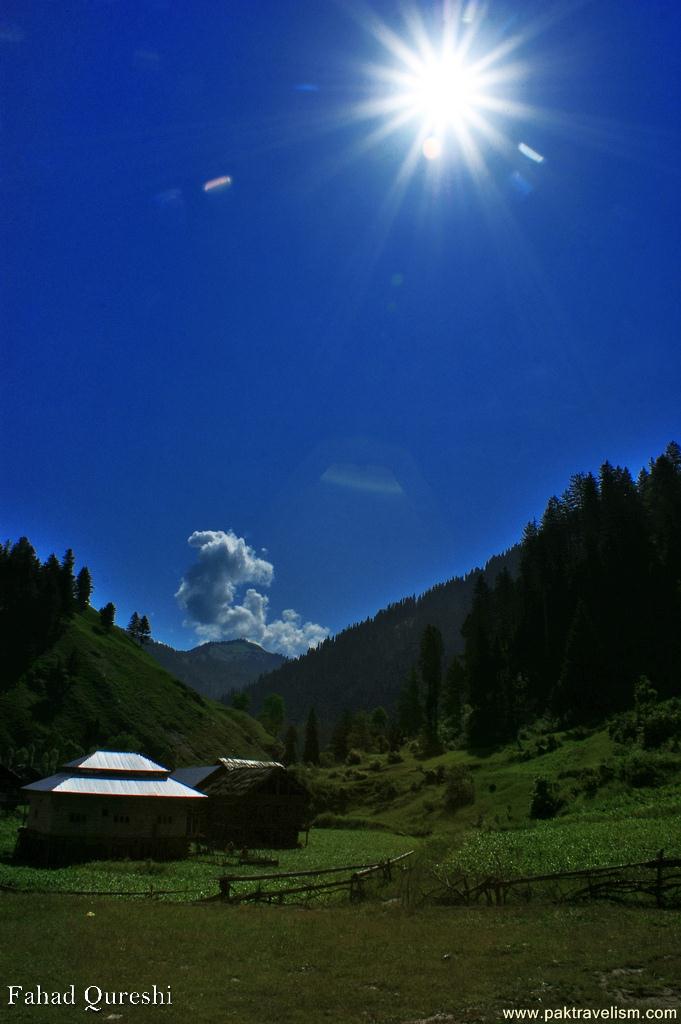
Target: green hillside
<point>611,801</point>
<point>98,688</point>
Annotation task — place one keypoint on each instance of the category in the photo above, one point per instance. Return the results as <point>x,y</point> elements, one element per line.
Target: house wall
<point>70,814</point>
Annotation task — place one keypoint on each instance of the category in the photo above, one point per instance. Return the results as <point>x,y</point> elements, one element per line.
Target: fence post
<point>356,889</point>
<point>659,891</point>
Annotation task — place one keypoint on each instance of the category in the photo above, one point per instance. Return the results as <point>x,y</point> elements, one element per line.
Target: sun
<point>441,94</point>
<point>445,87</point>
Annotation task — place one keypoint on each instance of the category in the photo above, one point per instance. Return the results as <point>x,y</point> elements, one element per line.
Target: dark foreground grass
<point>356,965</point>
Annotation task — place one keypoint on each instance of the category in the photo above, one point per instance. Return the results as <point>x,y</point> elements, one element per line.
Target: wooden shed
<point>108,804</point>
<point>250,803</point>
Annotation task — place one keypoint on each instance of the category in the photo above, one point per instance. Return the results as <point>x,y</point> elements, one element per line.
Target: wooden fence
<point>659,879</point>
<point>356,876</point>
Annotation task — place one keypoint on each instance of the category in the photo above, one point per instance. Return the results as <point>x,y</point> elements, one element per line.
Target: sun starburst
<point>448,91</point>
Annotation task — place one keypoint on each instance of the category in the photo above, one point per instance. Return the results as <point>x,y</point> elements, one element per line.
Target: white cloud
<point>208,593</point>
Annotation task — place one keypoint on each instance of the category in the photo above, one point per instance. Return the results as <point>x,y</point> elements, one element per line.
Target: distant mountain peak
<point>216,667</point>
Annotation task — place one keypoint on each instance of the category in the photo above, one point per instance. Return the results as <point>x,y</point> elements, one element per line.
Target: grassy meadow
<point>372,964</point>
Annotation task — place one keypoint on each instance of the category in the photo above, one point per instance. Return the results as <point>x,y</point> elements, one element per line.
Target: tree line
<point>37,599</point>
<point>593,607</point>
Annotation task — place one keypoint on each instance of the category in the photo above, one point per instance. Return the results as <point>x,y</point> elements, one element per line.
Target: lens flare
<point>432,148</point>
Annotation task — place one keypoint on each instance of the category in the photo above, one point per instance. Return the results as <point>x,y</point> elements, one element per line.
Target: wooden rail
<point>601,882</point>
<point>355,881</point>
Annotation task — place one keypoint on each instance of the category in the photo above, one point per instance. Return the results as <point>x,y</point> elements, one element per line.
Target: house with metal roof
<point>250,803</point>
<point>108,804</point>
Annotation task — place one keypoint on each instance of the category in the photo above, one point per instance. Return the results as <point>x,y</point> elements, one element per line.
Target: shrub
<point>460,788</point>
<point>662,724</point>
<point>375,766</point>
<point>386,791</point>
<point>588,781</point>
<point>545,801</point>
<point>394,757</point>
<point>354,756</point>
<point>624,728</point>
<point>643,768</point>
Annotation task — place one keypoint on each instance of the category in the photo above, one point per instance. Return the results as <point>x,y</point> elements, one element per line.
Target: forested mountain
<point>70,680</point>
<point>596,605</point>
<point>214,669</point>
<point>366,665</point>
<point>563,625</point>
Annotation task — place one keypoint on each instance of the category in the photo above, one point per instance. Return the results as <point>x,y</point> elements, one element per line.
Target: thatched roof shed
<point>250,803</point>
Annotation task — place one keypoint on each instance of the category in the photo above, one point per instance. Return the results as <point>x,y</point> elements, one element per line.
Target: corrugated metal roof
<point>194,776</point>
<point>115,761</point>
<point>112,785</point>
<point>232,763</point>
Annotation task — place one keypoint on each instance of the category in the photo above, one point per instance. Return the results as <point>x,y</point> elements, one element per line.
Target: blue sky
<point>368,382</point>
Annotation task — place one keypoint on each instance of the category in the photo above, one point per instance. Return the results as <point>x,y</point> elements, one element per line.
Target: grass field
<point>357,965</point>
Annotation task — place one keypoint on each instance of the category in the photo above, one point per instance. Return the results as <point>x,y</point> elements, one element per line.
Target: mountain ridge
<point>216,667</point>
<point>365,665</point>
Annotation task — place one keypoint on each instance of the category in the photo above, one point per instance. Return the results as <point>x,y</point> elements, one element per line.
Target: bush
<point>545,801</point>
<point>588,781</point>
<point>394,757</point>
<point>386,791</point>
<point>662,724</point>
<point>354,756</point>
<point>643,768</point>
<point>375,766</point>
<point>624,728</point>
<point>460,788</point>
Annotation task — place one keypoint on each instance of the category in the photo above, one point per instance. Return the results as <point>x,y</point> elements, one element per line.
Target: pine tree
<point>51,608</point>
<point>311,747</point>
<point>453,694</point>
<point>107,615</point>
<point>378,722</point>
<point>409,707</point>
<point>430,664</point>
<point>144,630</point>
<point>579,694</point>
<point>291,745</point>
<point>83,589</point>
<point>68,584</point>
<point>339,737</point>
<point>133,629</point>
<point>273,713</point>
